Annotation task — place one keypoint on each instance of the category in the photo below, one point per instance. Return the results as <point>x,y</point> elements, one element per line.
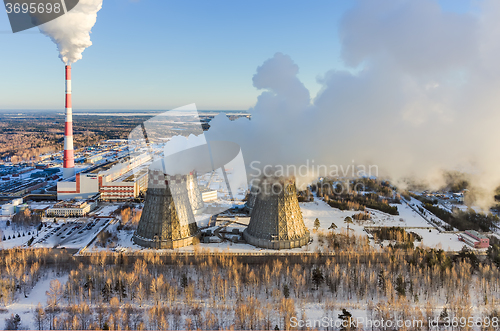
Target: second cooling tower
<point>276,220</point>
<point>167,220</point>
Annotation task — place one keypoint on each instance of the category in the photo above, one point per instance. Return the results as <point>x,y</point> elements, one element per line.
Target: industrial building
<point>276,220</point>
<point>208,195</point>
<point>167,220</point>
<point>118,180</point>
<point>10,208</point>
<point>95,157</point>
<point>19,187</point>
<point>475,239</point>
<point>73,208</point>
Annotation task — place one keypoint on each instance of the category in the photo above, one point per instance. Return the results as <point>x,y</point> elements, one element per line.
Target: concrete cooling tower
<point>194,193</point>
<point>167,220</point>
<point>276,220</point>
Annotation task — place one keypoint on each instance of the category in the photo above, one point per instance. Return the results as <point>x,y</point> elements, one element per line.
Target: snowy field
<point>407,218</point>
<point>77,233</point>
<point>24,306</point>
<point>444,240</point>
<point>9,231</point>
<point>327,215</point>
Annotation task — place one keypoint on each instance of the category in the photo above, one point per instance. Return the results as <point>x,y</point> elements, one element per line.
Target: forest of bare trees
<point>223,291</point>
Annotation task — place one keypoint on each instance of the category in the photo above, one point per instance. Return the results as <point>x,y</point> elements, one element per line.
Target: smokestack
<point>69,158</point>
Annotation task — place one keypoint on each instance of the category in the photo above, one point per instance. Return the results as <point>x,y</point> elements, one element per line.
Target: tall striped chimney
<point>69,158</point>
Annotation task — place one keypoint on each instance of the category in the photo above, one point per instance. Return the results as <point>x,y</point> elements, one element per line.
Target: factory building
<point>72,208</point>
<point>85,186</point>
<point>118,180</point>
<point>19,187</point>
<point>96,157</point>
<point>276,220</point>
<point>129,186</point>
<point>10,208</point>
<point>208,195</point>
<point>475,239</point>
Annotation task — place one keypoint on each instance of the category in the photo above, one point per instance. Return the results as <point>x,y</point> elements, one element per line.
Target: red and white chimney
<point>69,158</point>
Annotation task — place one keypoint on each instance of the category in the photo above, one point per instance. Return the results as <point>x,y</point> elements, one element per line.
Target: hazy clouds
<point>424,97</point>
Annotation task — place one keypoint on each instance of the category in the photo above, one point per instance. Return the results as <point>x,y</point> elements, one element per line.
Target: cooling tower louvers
<point>167,220</point>
<point>276,220</point>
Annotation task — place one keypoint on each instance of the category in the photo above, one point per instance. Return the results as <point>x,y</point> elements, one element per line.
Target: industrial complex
<point>175,210</point>
<point>117,180</point>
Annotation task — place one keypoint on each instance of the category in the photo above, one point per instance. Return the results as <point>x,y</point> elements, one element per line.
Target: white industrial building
<point>117,180</point>
<point>72,209</point>
<point>85,186</point>
<point>11,207</point>
<point>208,195</point>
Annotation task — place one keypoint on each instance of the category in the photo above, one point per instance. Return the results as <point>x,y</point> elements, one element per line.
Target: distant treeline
<point>469,220</point>
<point>360,202</point>
<point>395,233</point>
<point>423,199</point>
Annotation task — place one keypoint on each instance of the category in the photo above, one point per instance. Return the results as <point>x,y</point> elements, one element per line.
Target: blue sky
<point>164,54</point>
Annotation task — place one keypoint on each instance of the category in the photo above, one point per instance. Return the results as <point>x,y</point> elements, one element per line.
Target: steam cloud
<point>424,98</point>
<point>71,31</point>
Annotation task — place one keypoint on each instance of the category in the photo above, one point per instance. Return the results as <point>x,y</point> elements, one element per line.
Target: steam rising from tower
<point>69,159</point>
<point>71,31</point>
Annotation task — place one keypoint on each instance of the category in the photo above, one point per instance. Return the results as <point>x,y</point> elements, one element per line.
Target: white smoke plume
<point>71,31</point>
<point>424,98</point>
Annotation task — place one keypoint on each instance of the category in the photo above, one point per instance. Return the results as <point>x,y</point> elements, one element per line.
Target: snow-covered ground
<point>105,210</point>
<point>430,216</point>
<point>407,218</point>
<point>14,241</point>
<point>444,240</point>
<point>72,234</point>
<point>24,307</point>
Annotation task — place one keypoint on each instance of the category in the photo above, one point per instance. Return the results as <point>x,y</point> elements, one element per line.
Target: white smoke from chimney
<point>71,31</point>
<point>424,98</point>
